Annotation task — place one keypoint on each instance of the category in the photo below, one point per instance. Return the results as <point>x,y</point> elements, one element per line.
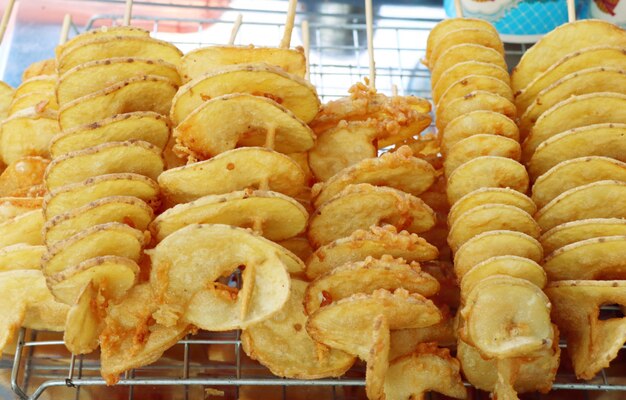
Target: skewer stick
<point>394,90</point>
<point>291,16</point>
<point>5,18</point>
<point>571,11</point>
<point>369,27</point>
<point>128,12</point>
<point>235,30</point>
<point>257,225</point>
<point>458,8</point>
<point>65,29</point>
<point>270,137</point>
<point>306,42</point>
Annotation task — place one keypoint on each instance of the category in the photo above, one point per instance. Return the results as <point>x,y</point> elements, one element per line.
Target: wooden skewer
<point>65,29</point>
<point>291,17</point>
<point>257,225</point>
<point>394,90</point>
<point>235,30</point>
<point>5,18</point>
<point>128,12</point>
<point>458,8</point>
<point>369,26</point>
<point>571,10</point>
<point>306,42</point>
<point>270,137</point>
<point>264,184</point>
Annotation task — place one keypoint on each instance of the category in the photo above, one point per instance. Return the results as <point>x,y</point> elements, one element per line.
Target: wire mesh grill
<point>338,58</point>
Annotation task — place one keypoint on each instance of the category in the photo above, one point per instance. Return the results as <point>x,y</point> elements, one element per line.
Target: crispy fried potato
<point>112,46</point>
<point>42,83</point>
<point>24,228</point>
<point>94,76</point>
<point>84,323</point>
<point>573,173</point>
<point>208,252</point>
<point>463,53</point>
<point>399,170</point>
<point>598,258</point>
<point>406,341</point>
<point>490,195</point>
<point>102,32</point>
<point>470,83</point>
<point>374,242</point>
<point>495,243</point>
<point>21,256</point>
<point>486,171</point>
<point>476,123</point>
<point>271,214</point>
<point>27,133</point>
<point>75,195</point>
<point>478,146</point>
<point>140,93</point>
<point>363,205</point>
<point>6,96</point>
<point>13,206</point>
<point>466,68</point>
<point>292,92</point>
<point>238,169</point>
<point>589,57</point>
<point>366,277</point>
<point>299,246</point>
<point>591,343</point>
<point>428,369</point>
<point>208,59</point>
<point>124,209</point>
<point>132,156</point>
<point>23,177</point>
<point>240,119</point>
<point>490,217</point>
<point>39,68</point>
<point>559,43</point>
<point>451,24</point>
<point>484,37</point>
<point>300,357</point>
<point>608,140</point>
<point>473,101</point>
<point>576,231</point>
<point>112,238</point>
<point>340,147</point>
<point>40,101</point>
<point>140,125</point>
<point>378,359</point>
<point>601,199</point>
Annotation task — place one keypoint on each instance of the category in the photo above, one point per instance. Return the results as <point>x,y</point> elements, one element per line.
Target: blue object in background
<point>31,42</point>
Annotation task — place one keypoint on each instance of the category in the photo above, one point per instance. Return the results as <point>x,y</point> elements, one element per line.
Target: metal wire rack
<point>41,365</point>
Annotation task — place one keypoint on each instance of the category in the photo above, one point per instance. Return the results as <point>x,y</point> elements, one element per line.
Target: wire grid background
<point>338,58</point>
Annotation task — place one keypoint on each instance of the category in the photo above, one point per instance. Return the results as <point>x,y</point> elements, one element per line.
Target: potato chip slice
<point>109,32</point>
<point>238,169</point>
<point>39,68</point>
<point>573,173</point>
<point>463,69</point>
<point>24,228</point>
<point>589,57</point>
<point>398,169</point>
<point>75,195</point>
<point>300,356</point>
<point>406,341</point>
<point>147,126</point>
<point>41,101</point>
<point>206,253</point>
<point>27,133</point>
<point>299,246</point>
<point>342,146</point>
<point>576,231</point>
<point>132,156</point>
<point>23,177</point>
<point>42,83</point>
<point>111,238</point>
<point>490,195</point>
<point>592,343</point>
<point>473,101</point>
<point>208,59</point>
<point>83,323</point>
<point>470,83</point>
<point>6,96</point>
<point>515,266</point>
<point>463,53</point>
<point>559,43</point>
<point>601,199</point>
<point>13,206</point>
<point>363,205</point>
<point>451,24</point>
<point>374,242</point>
<point>123,209</point>
<point>478,146</point>
<point>608,140</point>
<point>491,217</point>
<point>241,119</point>
<point>140,93</point>
<point>112,46</point>
<point>366,277</point>
<point>598,258</point>
<point>475,123</point>
<point>486,171</point>
<point>484,37</point>
<point>97,75</point>
<point>428,369</point>
<point>378,359</point>
<point>271,214</point>
<point>575,112</point>
<point>592,80</point>
<point>492,244</point>
<point>290,91</point>
<point>21,256</point>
